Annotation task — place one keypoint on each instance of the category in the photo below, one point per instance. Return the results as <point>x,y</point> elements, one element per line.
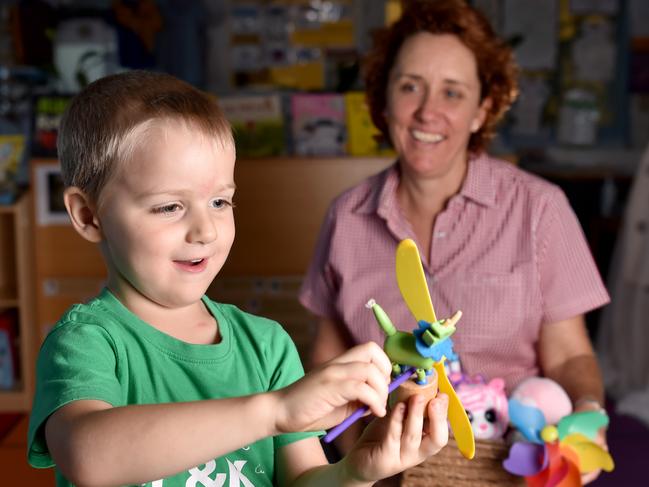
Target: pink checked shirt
<point>508,251</point>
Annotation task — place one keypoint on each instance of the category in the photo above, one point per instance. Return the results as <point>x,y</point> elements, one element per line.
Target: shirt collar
<point>382,193</point>
<point>479,186</point>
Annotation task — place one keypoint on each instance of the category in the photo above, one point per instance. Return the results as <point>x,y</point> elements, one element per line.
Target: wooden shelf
<point>8,303</point>
<point>14,400</point>
<point>16,293</point>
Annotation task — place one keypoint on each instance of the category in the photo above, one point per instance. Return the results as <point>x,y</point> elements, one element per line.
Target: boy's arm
<point>94,443</point>
<point>303,463</point>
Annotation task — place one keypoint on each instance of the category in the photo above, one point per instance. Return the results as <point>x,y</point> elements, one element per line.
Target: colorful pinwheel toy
<point>556,455</point>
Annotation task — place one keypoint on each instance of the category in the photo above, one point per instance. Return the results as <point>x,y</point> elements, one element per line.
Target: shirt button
<point>641,226</point>
<point>440,234</point>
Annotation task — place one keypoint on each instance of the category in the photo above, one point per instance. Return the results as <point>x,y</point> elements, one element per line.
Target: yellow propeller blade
<point>591,455</point>
<point>414,289</point>
<point>460,423</point>
<point>412,282</point>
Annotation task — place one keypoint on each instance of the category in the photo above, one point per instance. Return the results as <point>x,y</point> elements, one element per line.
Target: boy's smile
<point>192,265</point>
<point>166,217</point>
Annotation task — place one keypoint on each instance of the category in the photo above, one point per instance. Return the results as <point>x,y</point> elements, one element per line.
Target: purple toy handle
<point>360,412</point>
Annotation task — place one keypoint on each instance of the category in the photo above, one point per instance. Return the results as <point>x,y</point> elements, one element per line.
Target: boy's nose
<point>202,229</point>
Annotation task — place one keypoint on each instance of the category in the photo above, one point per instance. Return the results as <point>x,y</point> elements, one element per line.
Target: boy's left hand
<point>400,440</point>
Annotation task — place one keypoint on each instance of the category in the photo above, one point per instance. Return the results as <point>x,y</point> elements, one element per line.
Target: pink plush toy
<point>486,406</point>
<point>546,395</point>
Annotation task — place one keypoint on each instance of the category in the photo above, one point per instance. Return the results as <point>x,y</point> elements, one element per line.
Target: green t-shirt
<point>100,350</point>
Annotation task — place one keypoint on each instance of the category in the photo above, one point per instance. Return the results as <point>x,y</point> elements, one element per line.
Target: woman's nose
<point>202,228</point>
<point>428,106</point>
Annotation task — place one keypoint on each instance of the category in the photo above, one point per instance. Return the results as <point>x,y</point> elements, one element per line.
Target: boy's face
<point>166,217</point>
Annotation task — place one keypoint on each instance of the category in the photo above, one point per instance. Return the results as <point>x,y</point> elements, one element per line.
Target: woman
<point>501,245</point>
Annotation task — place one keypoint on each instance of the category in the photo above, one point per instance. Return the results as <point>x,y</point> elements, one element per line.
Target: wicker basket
<point>450,468</point>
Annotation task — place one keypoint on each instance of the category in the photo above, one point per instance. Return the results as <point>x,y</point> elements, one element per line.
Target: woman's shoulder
<point>508,176</point>
<point>362,194</point>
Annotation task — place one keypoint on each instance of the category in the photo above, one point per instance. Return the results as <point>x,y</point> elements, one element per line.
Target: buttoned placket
<point>441,236</point>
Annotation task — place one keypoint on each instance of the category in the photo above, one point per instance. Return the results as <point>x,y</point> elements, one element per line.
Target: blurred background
<point>287,74</point>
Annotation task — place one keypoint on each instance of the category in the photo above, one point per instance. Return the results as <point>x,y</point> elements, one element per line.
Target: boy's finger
<point>359,372</point>
<point>363,393</point>
<point>376,380</point>
<point>367,352</point>
<point>413,426</point>
<point>395,426</point>
<point>437,428</point>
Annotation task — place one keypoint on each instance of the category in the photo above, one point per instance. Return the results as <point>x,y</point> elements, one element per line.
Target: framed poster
<point>48,187</point>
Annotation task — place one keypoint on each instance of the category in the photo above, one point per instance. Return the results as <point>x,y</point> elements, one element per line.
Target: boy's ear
<point>82,214</point>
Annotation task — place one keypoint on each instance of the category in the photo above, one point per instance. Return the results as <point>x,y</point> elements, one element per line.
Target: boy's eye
<point>220,203</point>
<point>166,209</point>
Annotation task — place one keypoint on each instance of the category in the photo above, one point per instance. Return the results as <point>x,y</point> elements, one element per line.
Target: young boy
<point>152,383</point>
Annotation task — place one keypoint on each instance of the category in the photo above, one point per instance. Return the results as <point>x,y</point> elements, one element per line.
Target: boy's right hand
<point>333,391</point>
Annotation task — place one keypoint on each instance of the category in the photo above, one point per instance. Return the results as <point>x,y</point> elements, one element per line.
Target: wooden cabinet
<point>67,268</point>
<point>16,300</point>
<point>280,204</point>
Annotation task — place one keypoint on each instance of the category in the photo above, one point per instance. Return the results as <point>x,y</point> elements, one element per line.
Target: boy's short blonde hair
<point>102,124</point>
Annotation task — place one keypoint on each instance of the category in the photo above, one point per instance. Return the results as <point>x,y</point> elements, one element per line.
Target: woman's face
<point>433,104</point>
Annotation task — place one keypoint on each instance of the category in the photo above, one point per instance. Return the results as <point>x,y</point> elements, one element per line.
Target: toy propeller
<point>414,290</point>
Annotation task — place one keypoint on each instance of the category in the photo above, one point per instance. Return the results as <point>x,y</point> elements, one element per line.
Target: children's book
<point>12,156</point>
<point>361,133</point>
<point>318,124</point>
<point>257,123</point>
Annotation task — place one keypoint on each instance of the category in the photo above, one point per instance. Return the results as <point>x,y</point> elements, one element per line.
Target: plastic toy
<point>545,395</point>
<point>486,406</point>
<point>429,344</point>
<point>553,454</point>
<point>360,412</point>
<point>426,349</point>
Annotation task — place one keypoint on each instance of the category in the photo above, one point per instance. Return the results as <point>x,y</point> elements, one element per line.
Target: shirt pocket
<point>499,308</point>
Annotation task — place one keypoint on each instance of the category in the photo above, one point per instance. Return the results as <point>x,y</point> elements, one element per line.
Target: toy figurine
<point>486,406</point>
<point>423,351</point>
<point>422,348</point>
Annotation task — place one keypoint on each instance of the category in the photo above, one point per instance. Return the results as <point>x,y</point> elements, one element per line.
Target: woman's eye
<point>453,94</point>
<point>166,209</point>
<point>407,88</point>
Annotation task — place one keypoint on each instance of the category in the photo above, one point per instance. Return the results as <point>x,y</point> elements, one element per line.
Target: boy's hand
<point>330,393</point>
<point>399,441</point>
